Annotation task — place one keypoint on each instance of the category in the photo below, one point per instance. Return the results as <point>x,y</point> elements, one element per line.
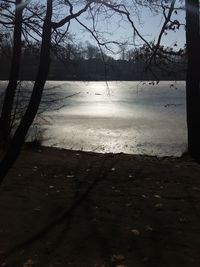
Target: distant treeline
<point>66,64</point>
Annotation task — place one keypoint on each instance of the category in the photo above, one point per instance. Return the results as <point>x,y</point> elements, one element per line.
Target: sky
<point>117,29</point>
<point>114,28</point>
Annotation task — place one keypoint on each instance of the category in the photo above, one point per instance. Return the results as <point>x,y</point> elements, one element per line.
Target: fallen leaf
<point>149,228</point>
<point>117,191</point>
<point>70,176</point>
<point>35,168</point>
<point>117,258</point>
<point>159,205</point>
<point>136,232</point>
<point>144,196</point>
<point>157,196</point>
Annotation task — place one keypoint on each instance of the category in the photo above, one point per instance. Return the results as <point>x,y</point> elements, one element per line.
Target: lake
<point>129,117</point>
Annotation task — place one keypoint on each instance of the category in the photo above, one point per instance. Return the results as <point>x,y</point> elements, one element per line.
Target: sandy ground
<point>80,209</point>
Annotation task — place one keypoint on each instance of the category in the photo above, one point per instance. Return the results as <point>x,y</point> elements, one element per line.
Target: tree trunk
<point>193,78</point>
<point>5,120</point>
<point>43,69</point>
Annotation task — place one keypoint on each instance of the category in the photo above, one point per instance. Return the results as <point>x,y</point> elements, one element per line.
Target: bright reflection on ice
<point>128,117</point>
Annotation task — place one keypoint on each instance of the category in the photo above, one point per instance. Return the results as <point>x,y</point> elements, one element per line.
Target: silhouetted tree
<point>41,77</point>
<point>193,77</point>
<point>193,65</point>
<point>20,134</point>
<point>5,119</point>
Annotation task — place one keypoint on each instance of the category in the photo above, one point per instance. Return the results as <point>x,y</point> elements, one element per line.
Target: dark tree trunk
<point>5,120</point>
<point>193,78</point>
<point>43,69</point>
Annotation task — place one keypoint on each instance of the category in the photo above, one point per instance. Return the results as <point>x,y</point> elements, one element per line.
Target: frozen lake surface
<point>129,117</point>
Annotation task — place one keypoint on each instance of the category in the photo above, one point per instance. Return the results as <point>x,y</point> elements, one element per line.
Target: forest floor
<point>67,208</point>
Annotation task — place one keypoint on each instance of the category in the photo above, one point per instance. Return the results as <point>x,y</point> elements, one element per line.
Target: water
<point>129,117</point>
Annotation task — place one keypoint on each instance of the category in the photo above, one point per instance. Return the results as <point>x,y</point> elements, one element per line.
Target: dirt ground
<point>69,208</point>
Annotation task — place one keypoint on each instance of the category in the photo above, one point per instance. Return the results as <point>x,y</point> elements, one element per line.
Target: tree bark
<point>193,78</point>
<point>5,120</point>
<point>43,69</point>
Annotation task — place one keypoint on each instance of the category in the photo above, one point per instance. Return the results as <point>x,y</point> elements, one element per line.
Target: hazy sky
<point>114,28</point>
<point>118,29</point>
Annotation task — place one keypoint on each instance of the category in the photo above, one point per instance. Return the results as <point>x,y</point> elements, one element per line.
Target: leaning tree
<point>41,77</point>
